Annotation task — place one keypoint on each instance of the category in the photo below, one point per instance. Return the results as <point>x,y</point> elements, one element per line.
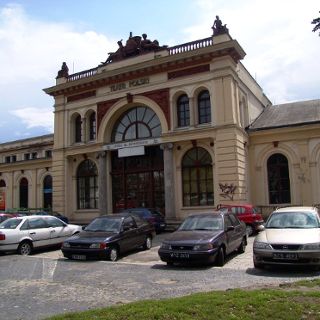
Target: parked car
<point>247,213</point>
<point>151,215</point>
<point>5,216</point>
<point>23,234</point>
<point>109,236</point>
<point>291,237</point>
<point>205,238</point>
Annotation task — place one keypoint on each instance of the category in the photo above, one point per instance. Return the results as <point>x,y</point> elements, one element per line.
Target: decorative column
<point>169,191</point>
<point>102,182</point>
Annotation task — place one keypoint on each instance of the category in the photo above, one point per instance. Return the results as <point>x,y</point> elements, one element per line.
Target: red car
<point>247,213</point>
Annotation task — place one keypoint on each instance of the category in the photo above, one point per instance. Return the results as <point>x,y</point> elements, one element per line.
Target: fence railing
<point>190,46</point>
<point>185,47</point>
<point>82,74</point>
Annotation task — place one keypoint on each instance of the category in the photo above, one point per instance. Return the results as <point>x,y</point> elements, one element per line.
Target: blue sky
<point>36,36</point>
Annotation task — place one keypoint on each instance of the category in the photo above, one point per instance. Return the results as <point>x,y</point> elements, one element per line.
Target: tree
<point>317,24</point>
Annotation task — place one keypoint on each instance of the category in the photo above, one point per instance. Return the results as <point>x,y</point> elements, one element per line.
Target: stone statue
<point>218,27</point>
<point>134,46</point>
<point>64,71</point>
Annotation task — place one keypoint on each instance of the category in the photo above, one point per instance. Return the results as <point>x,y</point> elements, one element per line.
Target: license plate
<point>285,256</point>
<point>179,255</point>
<point>78,257</point>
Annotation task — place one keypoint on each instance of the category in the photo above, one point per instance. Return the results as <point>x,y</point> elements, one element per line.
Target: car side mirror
<point>230,228</point>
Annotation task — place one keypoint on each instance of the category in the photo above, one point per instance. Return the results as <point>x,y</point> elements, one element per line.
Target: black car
<point>153,216</point>
<point>109,236</point>
<point>207,237</point>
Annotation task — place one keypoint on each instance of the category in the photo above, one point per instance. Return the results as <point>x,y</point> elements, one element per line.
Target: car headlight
<point>166,246</point>
<point>261,245</point>
<point>101,245</point>
<point>204,246</point>
<point>311,246</point>
<point>66,245</point>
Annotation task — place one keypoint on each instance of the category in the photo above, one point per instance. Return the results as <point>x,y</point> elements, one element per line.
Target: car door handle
<point>32,233</point>
<point>52,231</point>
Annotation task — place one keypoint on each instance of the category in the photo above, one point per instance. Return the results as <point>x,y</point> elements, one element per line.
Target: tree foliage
<point>316,21</point>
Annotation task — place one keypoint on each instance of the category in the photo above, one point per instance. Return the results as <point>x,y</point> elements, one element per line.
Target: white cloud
<point>33,50</point>
<point>282,51</point>
<point>31,54</point>
<point>34,117</point>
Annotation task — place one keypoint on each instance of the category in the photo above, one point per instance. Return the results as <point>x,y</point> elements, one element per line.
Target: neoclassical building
<point>180,128</point>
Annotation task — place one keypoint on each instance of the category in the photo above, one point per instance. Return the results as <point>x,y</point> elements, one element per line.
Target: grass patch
<point>232,304</point>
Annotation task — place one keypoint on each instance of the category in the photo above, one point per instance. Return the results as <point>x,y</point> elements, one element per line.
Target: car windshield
<point>105,224</point>
<point>10,223</point>
<point>202,223</point>
<point>292,220</point>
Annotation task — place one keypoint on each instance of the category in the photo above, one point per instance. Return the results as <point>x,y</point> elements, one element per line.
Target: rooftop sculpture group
<point>135,45</point>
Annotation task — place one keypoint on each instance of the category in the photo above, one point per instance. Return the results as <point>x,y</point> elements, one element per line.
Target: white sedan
<point>23,234</point>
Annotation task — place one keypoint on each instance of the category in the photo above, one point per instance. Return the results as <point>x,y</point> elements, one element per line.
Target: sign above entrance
<point>131,152</point>
<point>129,144</point>
<point>129,84</point>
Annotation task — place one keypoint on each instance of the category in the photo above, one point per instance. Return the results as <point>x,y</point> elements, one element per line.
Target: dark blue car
<point>153,216</point>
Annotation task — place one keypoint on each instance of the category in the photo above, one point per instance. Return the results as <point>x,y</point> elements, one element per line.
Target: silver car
<point>291,237</point>
<point>23,234</point>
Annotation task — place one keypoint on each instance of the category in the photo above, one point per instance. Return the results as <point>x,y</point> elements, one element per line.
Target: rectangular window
<point>27,156</point>
<point>34,155</point>
<point>7,159</point>
<point>14,158</point>
<point>48,153</point>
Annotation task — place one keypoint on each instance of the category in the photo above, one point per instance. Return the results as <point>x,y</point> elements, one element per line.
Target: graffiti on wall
<point>227,190</point>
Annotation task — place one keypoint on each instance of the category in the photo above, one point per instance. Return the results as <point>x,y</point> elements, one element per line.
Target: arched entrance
<point>278,179</point>
<point>137,179</point>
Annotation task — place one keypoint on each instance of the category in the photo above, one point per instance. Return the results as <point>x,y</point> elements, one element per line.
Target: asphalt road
<point>45,283</point>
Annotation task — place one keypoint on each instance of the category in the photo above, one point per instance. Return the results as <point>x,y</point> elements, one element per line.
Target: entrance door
<point>138,181</point>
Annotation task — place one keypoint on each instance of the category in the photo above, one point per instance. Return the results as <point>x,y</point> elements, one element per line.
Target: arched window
<point>47,192</point>
<point>137,123</point>
<point>23,193</point>
<point>183,111</point>
<point>92,126</point>
<point>278,179</point>
<point>204,107</point>
<point>87,187</point>
<point>77,129</point>
<point>197,178</point>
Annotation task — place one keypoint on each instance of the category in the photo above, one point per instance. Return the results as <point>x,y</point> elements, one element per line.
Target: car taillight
<point>103,245</point>
<point>257,217</point>
<point>2,236</point>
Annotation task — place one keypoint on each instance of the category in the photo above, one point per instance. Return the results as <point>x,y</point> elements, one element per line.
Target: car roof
<point>296,208</point>
<point>208,214</point>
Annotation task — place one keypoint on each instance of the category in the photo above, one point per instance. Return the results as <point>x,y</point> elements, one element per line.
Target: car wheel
<point>114,254</point>
<point>148,243</point>
<point>249,230</point>
<point>242,247</point>
<point>25,248</point>
<point>221,257</point>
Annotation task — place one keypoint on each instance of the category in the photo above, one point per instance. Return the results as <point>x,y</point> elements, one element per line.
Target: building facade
<point>180,128</point>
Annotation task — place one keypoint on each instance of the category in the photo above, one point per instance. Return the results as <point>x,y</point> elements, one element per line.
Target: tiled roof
<point>287,115</point>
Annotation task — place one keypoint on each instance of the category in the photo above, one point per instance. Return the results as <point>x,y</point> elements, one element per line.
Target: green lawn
<point>300,300</point>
